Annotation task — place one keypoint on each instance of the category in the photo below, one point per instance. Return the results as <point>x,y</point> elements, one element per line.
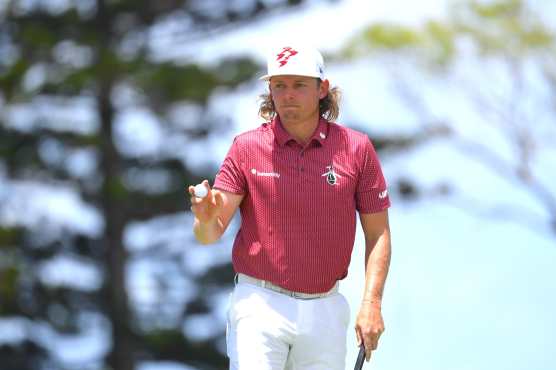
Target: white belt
<point>242,278</point>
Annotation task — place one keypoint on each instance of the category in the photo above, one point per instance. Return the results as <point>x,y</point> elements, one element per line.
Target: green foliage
<point>497,9</point>
<point>440,40</point>
<point>35,37</point>
<point>9,270</point>
<point>538,38</point>
<point>379,37</point>
<point>231,72</point>
<point>436,40</point>
<point>73,84</point>
<point>164,338</point>
<point>391,36</point>
<point>170,82</point>
<point>10,80</point>
<point>8,286</point>
<point>506,27</point>
<point>116,189</point>
<point>9,237</point>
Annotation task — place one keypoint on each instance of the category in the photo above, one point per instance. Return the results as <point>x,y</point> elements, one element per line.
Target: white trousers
<point>267,330</point>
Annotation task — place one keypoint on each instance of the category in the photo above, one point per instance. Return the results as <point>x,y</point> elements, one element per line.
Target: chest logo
<point>264,174</point>
<point>331,176</point>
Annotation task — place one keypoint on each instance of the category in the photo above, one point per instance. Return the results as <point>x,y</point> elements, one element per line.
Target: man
<point>298,181</point>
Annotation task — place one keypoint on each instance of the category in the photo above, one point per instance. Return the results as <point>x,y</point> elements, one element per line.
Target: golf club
<point>360,357</point>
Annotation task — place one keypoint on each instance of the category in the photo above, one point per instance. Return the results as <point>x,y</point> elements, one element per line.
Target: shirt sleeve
<point>230,177</point>
<point>372,194</point>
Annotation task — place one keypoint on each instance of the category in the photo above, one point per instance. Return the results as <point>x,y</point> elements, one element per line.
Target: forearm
<point>369,324</point>
<point>209,232</point>
<point>377,263</point>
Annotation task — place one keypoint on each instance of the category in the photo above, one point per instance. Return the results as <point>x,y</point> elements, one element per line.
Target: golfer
<point>298,180</point>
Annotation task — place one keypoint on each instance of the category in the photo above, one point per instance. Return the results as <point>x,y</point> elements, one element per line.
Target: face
<point>296,98</point>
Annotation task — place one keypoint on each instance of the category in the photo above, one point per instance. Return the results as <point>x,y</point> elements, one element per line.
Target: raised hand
<point>208,208</point>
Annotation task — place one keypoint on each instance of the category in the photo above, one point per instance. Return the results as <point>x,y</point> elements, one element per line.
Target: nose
<point>289,94</point>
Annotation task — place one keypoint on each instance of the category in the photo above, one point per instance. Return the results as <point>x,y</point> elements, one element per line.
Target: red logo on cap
<point>284,55</point>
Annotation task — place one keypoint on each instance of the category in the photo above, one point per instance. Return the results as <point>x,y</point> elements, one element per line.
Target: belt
<point>242,278</point>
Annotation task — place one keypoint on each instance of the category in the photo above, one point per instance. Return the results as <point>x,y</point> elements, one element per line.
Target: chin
<point>288,116</point>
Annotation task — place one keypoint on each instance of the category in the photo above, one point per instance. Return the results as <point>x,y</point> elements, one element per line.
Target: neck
<point>301,131</point>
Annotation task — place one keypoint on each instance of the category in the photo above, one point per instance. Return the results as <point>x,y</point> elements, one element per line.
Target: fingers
<point>208,207</point>
<point>368,343</point>
<point>361,339</point>
<point>196,203</point>
<point>370,346</point>
<point>192,198</point>
<point>368,353</point>
<point>369,338</point>
<point>197,199</point>
<point>374,340</point>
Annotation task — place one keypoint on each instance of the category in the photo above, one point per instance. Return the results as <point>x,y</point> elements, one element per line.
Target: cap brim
<point>267,77</point>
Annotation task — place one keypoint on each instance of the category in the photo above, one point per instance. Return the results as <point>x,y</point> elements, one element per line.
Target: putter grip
<point>360,358</point>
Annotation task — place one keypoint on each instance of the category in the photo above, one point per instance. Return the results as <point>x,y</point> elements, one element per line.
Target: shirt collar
<point>282,136</point>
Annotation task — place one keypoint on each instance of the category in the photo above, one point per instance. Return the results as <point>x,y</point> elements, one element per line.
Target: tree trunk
<point>115,293</point>
<point>121,356</point>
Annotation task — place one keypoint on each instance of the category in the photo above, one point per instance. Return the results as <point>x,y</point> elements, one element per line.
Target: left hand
<point>369,326</point>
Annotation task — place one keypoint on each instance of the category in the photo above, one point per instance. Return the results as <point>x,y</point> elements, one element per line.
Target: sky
<point>467,289</point>
<point>319,23</point>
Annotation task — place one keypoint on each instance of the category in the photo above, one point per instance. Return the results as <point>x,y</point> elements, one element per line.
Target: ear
<point>323,90</point>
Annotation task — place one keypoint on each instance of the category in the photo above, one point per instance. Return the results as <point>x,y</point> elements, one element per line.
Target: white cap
<point>298,61</point>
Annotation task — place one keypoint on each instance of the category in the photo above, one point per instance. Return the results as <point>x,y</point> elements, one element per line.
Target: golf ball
<point>200,191</point>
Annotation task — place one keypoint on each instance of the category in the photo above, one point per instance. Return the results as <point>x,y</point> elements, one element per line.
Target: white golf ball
<point>201,191</point>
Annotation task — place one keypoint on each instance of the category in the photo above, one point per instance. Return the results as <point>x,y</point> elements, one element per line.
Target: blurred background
<point>110,108</point>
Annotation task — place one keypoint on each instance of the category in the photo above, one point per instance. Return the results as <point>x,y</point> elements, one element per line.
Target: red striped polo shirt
<point>298,214</point>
